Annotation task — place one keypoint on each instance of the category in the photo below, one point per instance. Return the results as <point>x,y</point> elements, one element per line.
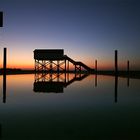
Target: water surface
<point>81,109</point>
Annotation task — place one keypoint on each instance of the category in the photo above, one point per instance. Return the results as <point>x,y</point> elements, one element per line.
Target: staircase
<point>77,63</point>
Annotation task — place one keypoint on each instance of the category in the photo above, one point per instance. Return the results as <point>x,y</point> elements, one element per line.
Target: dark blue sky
<point>86,29</point>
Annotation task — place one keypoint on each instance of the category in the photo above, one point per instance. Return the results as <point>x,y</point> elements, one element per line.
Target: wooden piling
<point>116,62</point>
<point>4,59</point>
<point>96,65</point>
<point>4,74</point>
<point>128,67</point>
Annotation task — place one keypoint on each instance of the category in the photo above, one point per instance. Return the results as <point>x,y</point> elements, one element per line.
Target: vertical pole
<point>4,75</point>
<point>96,65</point>
<point>128,66</point>
<point>4,59</point>
<point>50,65</point>
<point>128,73</point>
<point>116,62</point>
<point>116,75</point>
<point>65,65</point>
<point>68,67</point>
<point>35,65</point>
<point>57,66</point>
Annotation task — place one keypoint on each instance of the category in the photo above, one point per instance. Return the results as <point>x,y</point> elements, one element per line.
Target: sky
<point>85,29</point>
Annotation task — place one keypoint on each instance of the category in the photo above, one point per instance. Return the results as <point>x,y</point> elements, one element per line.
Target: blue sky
<point>85,29</point>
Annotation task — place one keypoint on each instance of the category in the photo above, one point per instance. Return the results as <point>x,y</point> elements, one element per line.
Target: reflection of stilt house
<point>55,82</point>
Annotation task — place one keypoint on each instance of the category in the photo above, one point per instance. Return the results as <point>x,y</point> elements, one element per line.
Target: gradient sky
<point>85,29</point>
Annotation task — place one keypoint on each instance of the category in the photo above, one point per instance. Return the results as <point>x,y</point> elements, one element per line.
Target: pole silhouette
<point>4,74</point>
<point>96,66</point>
<point>116,62</point>
<point>128,70</point>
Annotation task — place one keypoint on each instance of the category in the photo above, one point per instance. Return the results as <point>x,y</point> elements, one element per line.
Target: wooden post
<point>128,73</point>
<point>4,75</point>
<point>116,75</point>
<point>4,59</point>
<point>65,65</point>
<point>116,62</point>
<point>68,66</point>
<point>96,65</point>
<point>128,67</point>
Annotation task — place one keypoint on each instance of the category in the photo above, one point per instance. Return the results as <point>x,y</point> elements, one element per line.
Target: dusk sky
<point>85,29</point>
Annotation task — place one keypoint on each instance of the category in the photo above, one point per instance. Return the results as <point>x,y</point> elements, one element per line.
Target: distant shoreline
<point>131,74</point>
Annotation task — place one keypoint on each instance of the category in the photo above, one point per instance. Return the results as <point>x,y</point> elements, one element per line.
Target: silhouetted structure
<point>54,60</point>
<point>128,67</point>
<point>128,78</point>
<point>96,65</point>
<point>4,75</point>
<point>1,19</point>
<point>116,62</point>
<point>55,82</point>
<point>4,59</point>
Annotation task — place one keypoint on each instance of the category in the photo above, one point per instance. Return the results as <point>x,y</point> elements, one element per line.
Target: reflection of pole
<point>4,87</point>
<point>116,88</point>
<point>96,80</point>
<point>68,77</point>
<point>75,67</point>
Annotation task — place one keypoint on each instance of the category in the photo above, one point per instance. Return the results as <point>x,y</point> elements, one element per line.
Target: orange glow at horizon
<point>26,61</point>
<point>30,65</point>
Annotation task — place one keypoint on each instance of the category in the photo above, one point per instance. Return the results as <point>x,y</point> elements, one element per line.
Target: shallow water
<point>69,107</point>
